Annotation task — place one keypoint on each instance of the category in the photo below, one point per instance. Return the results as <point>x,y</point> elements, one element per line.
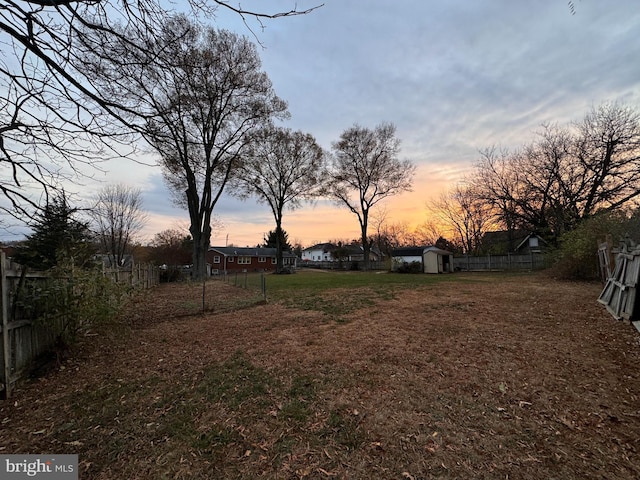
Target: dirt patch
<point>493,377</point>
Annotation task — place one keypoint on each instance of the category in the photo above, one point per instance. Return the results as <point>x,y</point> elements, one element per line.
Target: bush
<point>576,258</point>
<point>70,301</point>
<point>413,267</point>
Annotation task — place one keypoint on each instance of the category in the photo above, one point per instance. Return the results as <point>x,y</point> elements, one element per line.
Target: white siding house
<point>318,253</point>
<point>400,256</point>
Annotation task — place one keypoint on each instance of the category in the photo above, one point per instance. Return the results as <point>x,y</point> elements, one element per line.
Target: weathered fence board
<point>5,385</point>
<point>533,261</point>
<point>143,276</point>
<point>23,339</point>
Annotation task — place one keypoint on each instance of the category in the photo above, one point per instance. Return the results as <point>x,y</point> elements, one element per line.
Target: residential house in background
<point>503,242</point>
<point>247,259</point>
<point>400,256</point>
<point>321,252</point>
<point>331,255</point>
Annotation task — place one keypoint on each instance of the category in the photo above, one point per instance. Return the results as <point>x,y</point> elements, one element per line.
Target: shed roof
<point>437,250</point>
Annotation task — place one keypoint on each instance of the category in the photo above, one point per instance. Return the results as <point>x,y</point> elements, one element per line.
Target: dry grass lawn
<point>519,377</point>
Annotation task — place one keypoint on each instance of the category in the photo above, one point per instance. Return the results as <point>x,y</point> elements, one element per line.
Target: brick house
<point>247,259</point>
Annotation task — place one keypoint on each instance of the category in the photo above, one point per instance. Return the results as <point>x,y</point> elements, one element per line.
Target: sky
<point>454,77</point>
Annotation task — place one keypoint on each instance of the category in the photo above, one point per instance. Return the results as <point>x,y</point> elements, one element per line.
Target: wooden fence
<point>532,261</point>
<point>138,276</point>
<point>23,339</point>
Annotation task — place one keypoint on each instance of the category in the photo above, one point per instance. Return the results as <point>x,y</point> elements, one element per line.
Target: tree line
<point>102,78</point>
<point>567,175</point>
<point>86,81</point>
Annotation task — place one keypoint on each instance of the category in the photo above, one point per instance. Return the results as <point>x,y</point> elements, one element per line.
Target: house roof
<point>510,241</point>
<point>526,239</point>
<point>248,251</point>
<point>502,236</point>
<point>325,247</point>
<point>351,248</point>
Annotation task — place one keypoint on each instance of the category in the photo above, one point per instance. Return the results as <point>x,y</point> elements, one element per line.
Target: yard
<point>349,376</point>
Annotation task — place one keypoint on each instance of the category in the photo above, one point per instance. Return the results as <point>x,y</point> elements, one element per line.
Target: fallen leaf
<point>75,443</point>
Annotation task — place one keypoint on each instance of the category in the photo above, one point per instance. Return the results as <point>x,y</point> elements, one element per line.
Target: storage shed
<point>436,260</point>
<point>433,259</point>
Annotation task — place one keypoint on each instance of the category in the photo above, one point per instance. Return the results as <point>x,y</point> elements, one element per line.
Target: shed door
<point>446,263</point>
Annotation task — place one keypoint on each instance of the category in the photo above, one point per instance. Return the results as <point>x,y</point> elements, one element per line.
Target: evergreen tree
<point>57,236</point>
<point>270,241</point>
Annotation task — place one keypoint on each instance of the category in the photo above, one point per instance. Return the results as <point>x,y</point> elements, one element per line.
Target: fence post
<point>6,354</point>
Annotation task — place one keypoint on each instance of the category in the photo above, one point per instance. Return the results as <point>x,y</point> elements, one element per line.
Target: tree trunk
<point>199,257</point>
<point>366,247</point>
<point>279,255</point>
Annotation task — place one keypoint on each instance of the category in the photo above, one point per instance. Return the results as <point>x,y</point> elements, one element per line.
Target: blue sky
<point>454,77</point>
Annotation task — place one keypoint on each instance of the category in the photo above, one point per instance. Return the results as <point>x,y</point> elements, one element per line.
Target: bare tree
<point>609,152</point>
<point>567,174</point>
<point>118,216</point>
<point>172,247</point>
<point>465,214</point>
<point>283,169</point>
<point>389,236</point>
<point>55,118</point>
<point>203,96</point>
<point>365,170</point>
<point>428,233</point>
<point>499,186</point>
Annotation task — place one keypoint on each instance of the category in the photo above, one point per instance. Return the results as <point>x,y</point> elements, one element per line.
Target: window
<point>216,259</point>
<point>262,259</point>
<point>533,242</point>
<point>231,259</point>
<point>244,260</point>
<point>273,260</point>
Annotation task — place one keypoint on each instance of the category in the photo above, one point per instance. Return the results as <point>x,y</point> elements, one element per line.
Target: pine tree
<point>270,241</point>
<point>57,236</point>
